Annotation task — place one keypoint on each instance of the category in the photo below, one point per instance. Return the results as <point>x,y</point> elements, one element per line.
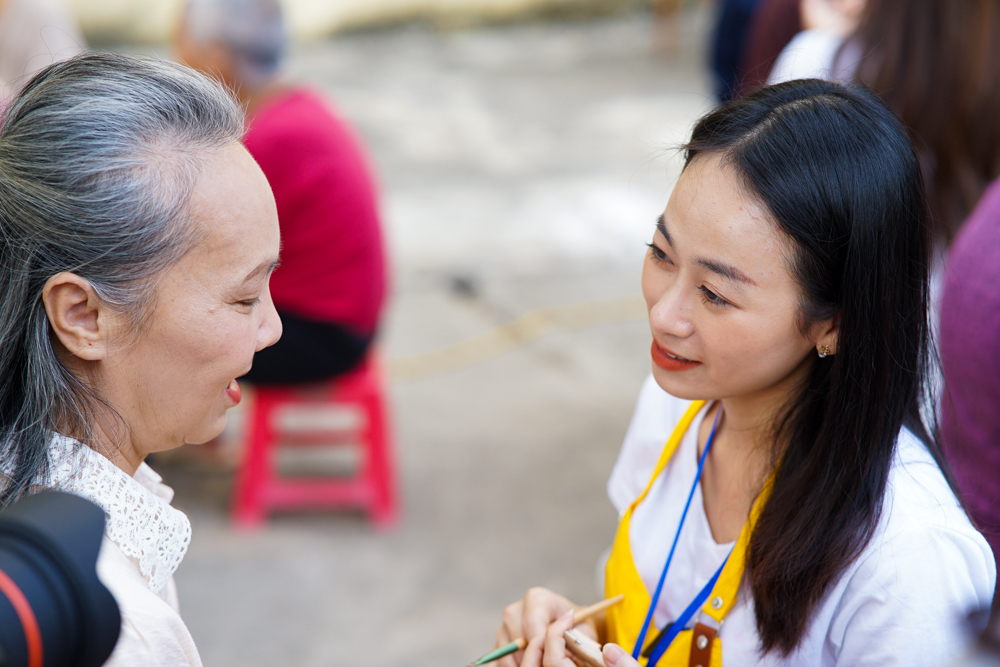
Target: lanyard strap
<point>659,586</point>
<point>677,626</point>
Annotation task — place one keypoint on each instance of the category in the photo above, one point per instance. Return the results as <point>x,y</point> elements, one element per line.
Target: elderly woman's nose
<point>270,329</point>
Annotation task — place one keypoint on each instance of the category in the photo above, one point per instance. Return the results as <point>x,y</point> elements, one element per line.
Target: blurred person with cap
<point>331,284</point>
<point>33,35</point>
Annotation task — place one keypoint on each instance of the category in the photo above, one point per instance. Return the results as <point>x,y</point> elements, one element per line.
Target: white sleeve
<point>656,414</point>
<point>908,601</point>
<point>810,55</point>
<point>152,633</point>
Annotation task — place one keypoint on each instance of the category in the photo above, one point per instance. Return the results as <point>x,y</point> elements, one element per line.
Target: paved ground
<point>522,168</point>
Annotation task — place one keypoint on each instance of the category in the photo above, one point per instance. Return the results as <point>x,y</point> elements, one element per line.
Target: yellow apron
<point>694,647</point>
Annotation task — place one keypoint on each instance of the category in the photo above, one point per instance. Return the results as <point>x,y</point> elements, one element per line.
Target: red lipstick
<point>669,361</point>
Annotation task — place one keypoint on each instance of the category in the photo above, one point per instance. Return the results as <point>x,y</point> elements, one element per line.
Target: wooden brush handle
<point>581,615</point>
<point>584,648</point>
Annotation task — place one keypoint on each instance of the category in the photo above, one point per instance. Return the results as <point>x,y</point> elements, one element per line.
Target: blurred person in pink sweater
<point>331,285</point>
<point>969,344</point>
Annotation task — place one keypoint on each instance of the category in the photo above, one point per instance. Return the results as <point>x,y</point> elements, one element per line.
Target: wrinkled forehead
<point>232,210</point>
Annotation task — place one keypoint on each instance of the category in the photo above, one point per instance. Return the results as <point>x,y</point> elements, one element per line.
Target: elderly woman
<point>139,238</point>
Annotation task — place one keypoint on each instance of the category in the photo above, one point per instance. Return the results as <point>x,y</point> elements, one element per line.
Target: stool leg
<point>380,465</point>
<point>255,470</point>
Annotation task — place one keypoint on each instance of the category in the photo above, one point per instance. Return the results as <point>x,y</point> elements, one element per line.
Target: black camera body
<point>54,610</point>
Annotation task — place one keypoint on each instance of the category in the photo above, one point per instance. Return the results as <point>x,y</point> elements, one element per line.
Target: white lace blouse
<point>144,542</point>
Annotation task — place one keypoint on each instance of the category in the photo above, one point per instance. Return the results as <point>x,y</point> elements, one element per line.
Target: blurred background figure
<point>970,356</point>
<point>936,63</point>
<point>34,34</point>
<point>330,287</point>
<point>815,52</point>
<point>774,24</point>
<point>728,44</point>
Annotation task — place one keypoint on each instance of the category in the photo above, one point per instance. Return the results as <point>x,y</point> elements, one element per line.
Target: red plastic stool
<point>259,487</point>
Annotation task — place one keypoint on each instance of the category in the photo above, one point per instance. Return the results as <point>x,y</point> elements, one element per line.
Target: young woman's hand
<point>530,618</point>
<point>549,650</point>
<point>616,656</point>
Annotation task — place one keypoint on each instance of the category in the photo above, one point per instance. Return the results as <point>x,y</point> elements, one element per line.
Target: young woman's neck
<point>749,419</point>
<point>743,453</point>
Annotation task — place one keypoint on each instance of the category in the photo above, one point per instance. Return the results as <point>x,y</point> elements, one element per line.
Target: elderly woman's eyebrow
<point>264,268</point>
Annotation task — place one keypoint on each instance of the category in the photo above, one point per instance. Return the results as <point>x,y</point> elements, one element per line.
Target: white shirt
<point>815,54</point>
<point>145,540</point>
<point>902,602</point>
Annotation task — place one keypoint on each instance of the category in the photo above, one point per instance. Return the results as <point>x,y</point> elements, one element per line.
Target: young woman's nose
<point>671,314</point>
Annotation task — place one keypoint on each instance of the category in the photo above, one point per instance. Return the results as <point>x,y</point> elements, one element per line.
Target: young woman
<point>798,514</point>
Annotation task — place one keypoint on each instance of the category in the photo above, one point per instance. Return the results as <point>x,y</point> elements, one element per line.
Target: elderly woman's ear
<point>78,317</point>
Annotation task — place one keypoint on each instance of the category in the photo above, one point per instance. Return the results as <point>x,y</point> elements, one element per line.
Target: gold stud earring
<point>823,351</point>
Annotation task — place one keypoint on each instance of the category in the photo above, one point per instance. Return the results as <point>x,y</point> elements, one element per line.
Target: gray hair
<point>253,31</point>
<point>99,156</point>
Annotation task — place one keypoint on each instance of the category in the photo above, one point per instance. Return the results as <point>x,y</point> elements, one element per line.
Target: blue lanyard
<point>668,637</point>
<point>699,600</point>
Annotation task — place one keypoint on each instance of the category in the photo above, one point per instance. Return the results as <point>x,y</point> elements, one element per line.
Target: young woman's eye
<point>712,298</point>
<point>658,255</point>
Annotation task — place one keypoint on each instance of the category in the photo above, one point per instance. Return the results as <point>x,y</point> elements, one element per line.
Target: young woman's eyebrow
<point>661,225</point>
<point>725,270</point>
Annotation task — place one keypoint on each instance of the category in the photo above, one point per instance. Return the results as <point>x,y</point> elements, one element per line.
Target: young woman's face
<point>723,306</point>
<point>212,311</point>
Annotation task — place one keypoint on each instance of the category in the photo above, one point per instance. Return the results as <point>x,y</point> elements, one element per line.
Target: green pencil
<point>518,644</point>
<point>506,649</point>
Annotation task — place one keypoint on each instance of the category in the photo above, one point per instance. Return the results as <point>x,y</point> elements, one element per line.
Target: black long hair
<point>837,172</point>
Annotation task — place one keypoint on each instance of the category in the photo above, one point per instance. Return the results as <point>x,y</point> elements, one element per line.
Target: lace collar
<point>140,519</point>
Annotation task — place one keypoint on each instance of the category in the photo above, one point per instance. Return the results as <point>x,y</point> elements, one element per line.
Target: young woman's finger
<point>532,655</point>
<point>616,656</point>
<point>555,644</point>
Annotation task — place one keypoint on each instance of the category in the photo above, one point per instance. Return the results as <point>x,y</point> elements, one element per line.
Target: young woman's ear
<point>825,336</point>
<point>77,316</point>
